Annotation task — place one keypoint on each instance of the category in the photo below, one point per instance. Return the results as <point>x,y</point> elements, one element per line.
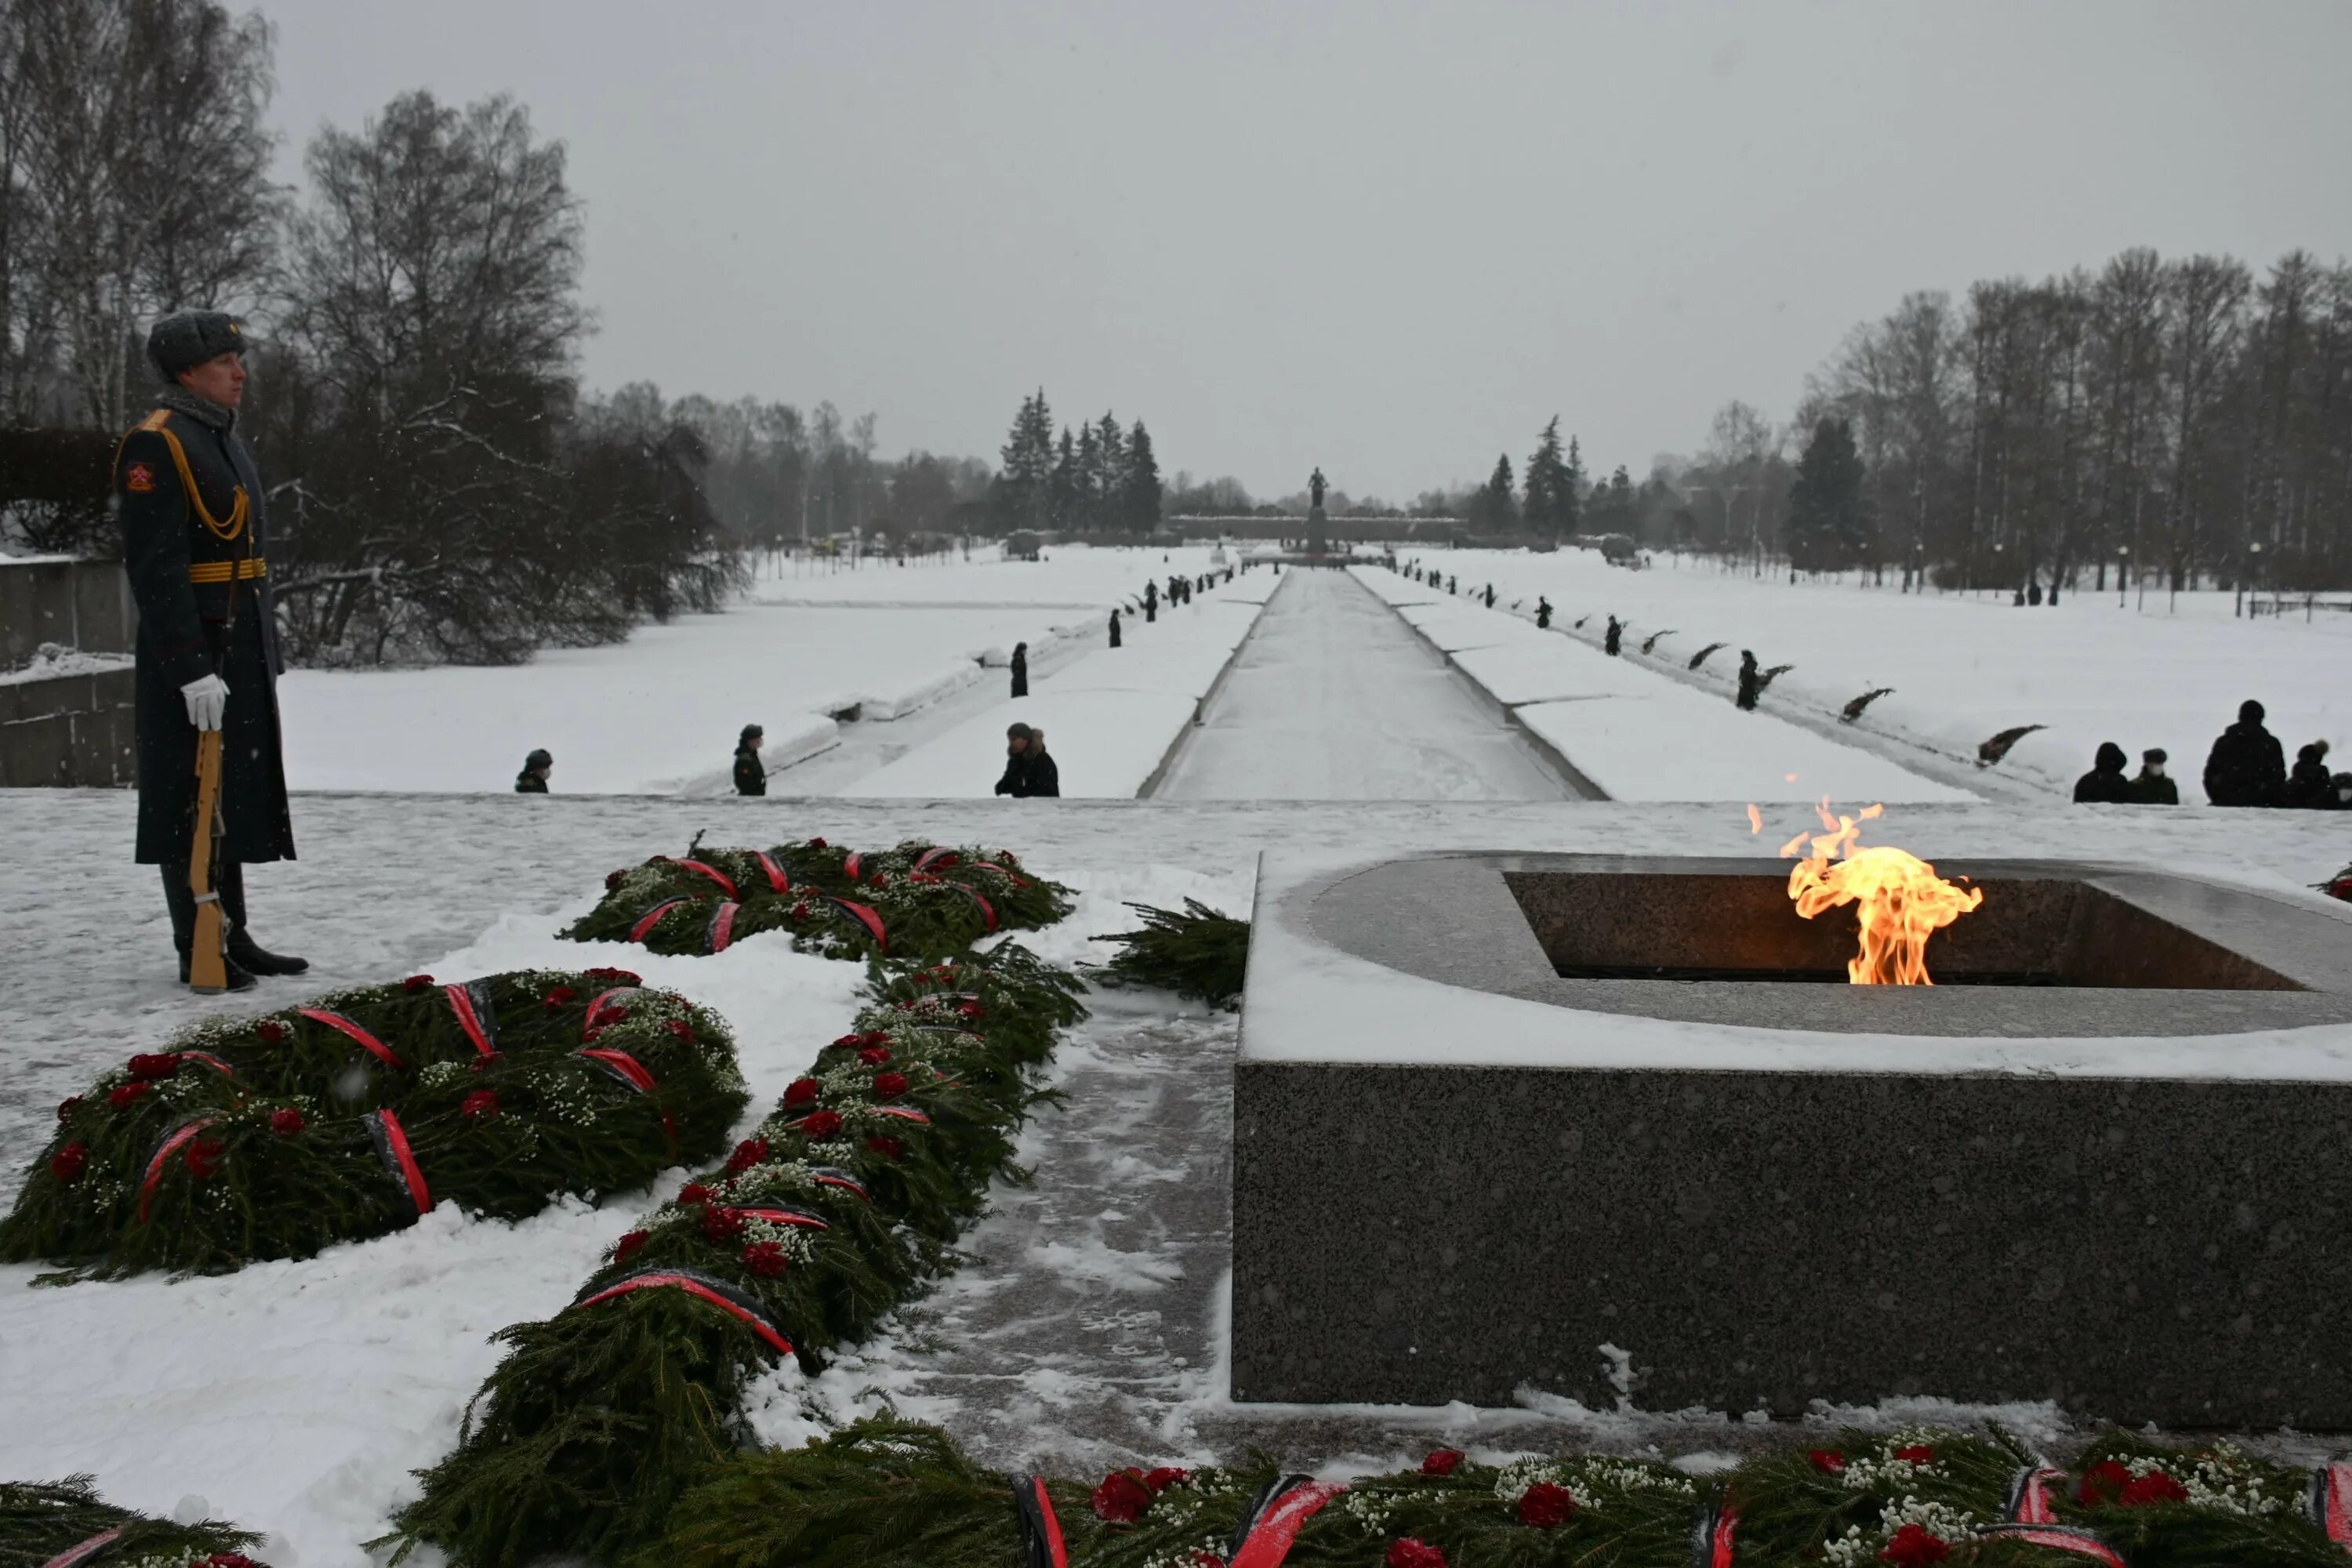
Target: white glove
<point>207,700</point>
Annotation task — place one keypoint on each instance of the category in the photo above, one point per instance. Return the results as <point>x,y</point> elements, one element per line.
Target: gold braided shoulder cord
<point>160,423</point>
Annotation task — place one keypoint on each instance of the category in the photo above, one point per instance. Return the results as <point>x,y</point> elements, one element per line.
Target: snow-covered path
<point>1334,699</point>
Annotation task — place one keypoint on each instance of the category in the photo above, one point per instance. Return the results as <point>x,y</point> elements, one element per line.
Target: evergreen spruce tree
<point>1549,502</point>
<point>1502,507</point>
<point>1113,442</point>
<point>1139,494</point>
<point>1827,526</point>
<point>1571,508</point>
<point>1062,489</point>
<point>1028,457</point>
<point>1087,487</point>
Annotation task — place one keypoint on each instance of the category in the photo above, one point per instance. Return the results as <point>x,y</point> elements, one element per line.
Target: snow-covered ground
<point>660,712</point>
<point>1963,668</point>
<point>1086,1326</point>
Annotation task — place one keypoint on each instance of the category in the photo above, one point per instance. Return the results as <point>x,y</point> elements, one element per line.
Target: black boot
<point>243,951</point>
<point>183,905</point>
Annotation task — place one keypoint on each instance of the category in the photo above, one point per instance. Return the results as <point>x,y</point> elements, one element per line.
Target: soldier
<point>531,779</point>
<point>750,772</point>
<point>1114,626</point>
<point>1543,614</point>
<point>1020,669</point>
<point>189,499</point>
<point>1150,603</point>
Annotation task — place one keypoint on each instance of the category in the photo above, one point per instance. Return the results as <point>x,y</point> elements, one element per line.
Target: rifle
<point>208,957</point>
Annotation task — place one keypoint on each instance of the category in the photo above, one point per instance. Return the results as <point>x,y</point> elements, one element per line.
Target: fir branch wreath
<point>828,1216</point>
<point>63,1524</point>
<point>1201,952</point>
<point>919,901</point>
<point>277,1135</point>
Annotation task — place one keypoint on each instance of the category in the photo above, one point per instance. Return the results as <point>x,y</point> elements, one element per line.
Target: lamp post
<point>2123,565</point>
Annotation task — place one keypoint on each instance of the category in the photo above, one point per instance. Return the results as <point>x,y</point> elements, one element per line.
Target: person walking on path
<point>190,502</point>
<point>750,772</point>
<point>2150,786</point>
<point>2309,786</point>
<point>1543,614</point>
<point>2246,765</point>
<point>1021,669</point>
<point>1150,603</point>
<point>1490,596</point>
<point>1751,684</point>
<point>1615,635</point>
<point>2104,784</point>
<point>533,780</point>
<point>1028,770</point>
<point>1114,626</point>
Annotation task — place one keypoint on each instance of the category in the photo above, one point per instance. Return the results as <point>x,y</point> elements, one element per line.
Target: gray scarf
<point>203,410</point>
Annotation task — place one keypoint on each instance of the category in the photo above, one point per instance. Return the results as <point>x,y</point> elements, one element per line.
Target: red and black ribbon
<point>391,1140</point>
<point>798,1218</point>
<point>721,929</point>
<point>777,880</point>
<point>1712,1536</point>
<point>834,1176</point>
<point>703,1288</point>
<point>85,1551</point>
<point>866,917</point>
<point>854,864</point>
<point>620,1065</point>
<point>651,918</point>
<point>2330,1501</point>
<point>209,1060</point>
<point>705,869</point>
<point>903,1112</point>
<point>1041,1531</point>
<point>593,1024</point>
<point>475,1016</point>
<point>2032,1517</point>
<point>174,1141</point>
<point>364,1040</point>
<point>942,859</point>
<point>1274,1518</point>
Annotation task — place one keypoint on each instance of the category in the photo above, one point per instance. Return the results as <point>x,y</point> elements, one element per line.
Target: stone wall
<point>72,728</point>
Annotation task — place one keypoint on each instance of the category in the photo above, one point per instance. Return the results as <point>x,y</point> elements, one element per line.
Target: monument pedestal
<point>1317,544</point>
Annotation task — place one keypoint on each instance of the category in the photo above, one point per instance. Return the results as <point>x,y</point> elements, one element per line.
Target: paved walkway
<point>1333,698</point>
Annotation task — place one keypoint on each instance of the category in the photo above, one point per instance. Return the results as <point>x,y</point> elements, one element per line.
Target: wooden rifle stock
<point>208,957</point>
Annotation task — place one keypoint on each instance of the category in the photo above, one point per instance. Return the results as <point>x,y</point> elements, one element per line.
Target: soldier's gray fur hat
<point>187,339</point>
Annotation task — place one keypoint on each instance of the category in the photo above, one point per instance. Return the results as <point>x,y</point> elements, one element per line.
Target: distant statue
<point>1314,487</point>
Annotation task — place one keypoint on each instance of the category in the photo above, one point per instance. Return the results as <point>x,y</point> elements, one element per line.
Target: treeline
<point>1104,479</point>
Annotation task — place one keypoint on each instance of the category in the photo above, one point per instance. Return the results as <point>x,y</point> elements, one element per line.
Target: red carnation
<point>561,998</point>
<point>844,1042</point>
<point>880,878</point>
<point>66,1108</point>
<point>720,1222</point>
<point>764,1259</point>
<point>1546,1506</point>
<point>820,1124</point>
<point>151,1067</point>
<point>694,1193</point>
<point>628,1246</point>
<point>1916,1454</point>
<point>2153,1487</point>
<point>890,1085</point>
<point>1913,1546</point>
<point>128,1094</point>
<point>799,909</point>
<point>66,1163</point>
<point>203,1156</point>
<point>1408,1553</point>
<point>480,1104</point>
<point>416,982</point>
<point>972,1010</point>
<point>875,1056</point>
<point>481,1063</point>
<point>876,1037</point>
<point>681,1028</point>
<point>1166,1476</point>
<point>1122,1497</point>
<point>748,1153</point>
<point>2102,1483</point>
<point>228,1559</point>
<point>888,1148</point>
<point>271,1031</point>
<point>285,1122</point>
<point>619,976</point>
<point>802,1091</point>
<point>818,844</point>
<point>1442,1462</point>
<point>1829,1461</point>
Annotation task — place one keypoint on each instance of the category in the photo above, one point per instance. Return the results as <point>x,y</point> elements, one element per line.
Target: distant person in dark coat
<point>2308,787</point>
<point>1543,614</point>
<point>2246,766</point>
<point>533,780</point>
<point>2151,787</point>
<point>750,772</point>
<point>1751,684</point>
<point>1490,596</point>
<point>1028,770</point>
<point>1615,635</point>
<point>2104,784</point>
<point>1021,669</point>
<point>1114,628</point>
<point>1150,603</point>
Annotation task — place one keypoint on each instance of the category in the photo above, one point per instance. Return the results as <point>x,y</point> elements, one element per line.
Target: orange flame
<point>1901,901</point>
<point>1754,818</point>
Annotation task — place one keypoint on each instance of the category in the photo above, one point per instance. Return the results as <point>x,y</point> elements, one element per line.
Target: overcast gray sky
<point>1388,239</point>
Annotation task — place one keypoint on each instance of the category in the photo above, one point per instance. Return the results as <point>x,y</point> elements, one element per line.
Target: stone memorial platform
<point>1506,1121</point>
